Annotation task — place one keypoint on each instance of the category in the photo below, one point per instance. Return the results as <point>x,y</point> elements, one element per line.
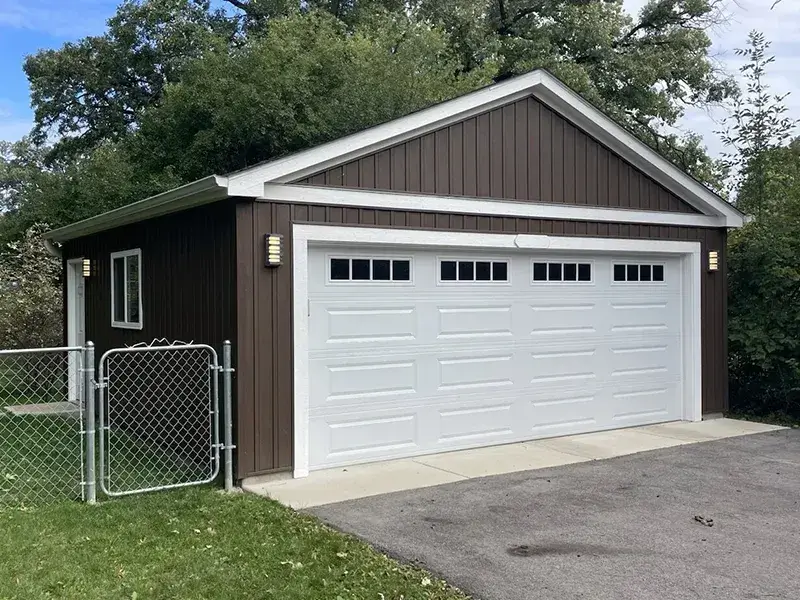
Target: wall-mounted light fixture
<point>713,260</point>
<point>274,249</point>
<point>87,267</point>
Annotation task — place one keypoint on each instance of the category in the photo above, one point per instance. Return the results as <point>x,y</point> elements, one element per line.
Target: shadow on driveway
<point>618,529</point>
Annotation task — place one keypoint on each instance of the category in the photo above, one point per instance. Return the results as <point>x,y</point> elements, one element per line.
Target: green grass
<point>40,459</point>
<point>196,544</point>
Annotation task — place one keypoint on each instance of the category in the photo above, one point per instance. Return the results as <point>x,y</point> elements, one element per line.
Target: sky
<point>29,25</point>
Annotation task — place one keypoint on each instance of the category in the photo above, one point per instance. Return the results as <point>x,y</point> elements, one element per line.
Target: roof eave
<point>203,191</point>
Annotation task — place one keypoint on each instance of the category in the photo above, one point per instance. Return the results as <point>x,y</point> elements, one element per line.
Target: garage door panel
<point>470,423</point>
<point>561,409</point>
<point>464,322</point>
<point>340,325</point>
<point>644,402</point>
<point>361,436</point>
<point>472,372</point>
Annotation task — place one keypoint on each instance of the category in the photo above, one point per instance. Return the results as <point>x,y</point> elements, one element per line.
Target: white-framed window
<point>561,271</point>
<point>343,269</point>
<point>126,289</point>
<point>457,270</point>
<point>638,273</point>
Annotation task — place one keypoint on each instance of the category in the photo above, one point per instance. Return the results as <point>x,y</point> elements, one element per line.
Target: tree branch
<point>243,6</point>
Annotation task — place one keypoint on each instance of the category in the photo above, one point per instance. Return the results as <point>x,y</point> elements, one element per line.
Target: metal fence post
<point>227,391</point>
<point>89,421</point>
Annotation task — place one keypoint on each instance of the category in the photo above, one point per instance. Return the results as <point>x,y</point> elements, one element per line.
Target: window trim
<point>124,254</point>
<point>638,263</point>
<point>370,257</point>
<point>461,282</point>
<point>563,261</point>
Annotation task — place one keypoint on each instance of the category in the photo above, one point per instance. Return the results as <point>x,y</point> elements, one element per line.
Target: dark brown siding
<point>265,308</point>
<point>522,151</point>
<point>188,278</point>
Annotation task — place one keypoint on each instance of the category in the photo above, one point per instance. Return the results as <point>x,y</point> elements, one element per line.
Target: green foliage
<point>764,256</point>
<point>304,82</point>
<point>757,124</point>
<point>93,91</point>
<point>30,294</point>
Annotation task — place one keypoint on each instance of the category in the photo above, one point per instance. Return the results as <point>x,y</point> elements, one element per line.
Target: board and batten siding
<point>188,278</point>
<point>265,370</point>
<point>521,151</point>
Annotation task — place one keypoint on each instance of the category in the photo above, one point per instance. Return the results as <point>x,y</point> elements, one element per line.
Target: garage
<point>421,350</point>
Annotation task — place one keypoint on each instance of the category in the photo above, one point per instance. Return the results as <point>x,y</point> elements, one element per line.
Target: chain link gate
<point>159,418</point>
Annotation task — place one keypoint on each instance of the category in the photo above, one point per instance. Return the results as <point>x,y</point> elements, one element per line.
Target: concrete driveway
<point>617,529</point>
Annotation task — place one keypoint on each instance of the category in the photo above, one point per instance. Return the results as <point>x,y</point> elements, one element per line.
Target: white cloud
<point>780,26</point>
<point>74,18</point>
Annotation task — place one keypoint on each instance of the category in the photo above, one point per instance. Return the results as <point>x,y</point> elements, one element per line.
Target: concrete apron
<point>359,481</point>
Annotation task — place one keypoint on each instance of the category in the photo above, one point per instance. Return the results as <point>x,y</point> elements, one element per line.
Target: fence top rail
<point>40,350</point>
<point>159,349</point>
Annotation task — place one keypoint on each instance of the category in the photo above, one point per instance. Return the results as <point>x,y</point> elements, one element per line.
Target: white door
<point>76,323</point>
<point>414,352</point>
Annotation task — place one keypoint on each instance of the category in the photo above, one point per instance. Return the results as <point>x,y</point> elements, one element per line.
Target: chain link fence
<point>158,421</point>
<point>41,409</point>
<point>159,417</point>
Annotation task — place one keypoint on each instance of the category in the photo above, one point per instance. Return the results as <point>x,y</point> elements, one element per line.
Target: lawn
<point>195,543</point>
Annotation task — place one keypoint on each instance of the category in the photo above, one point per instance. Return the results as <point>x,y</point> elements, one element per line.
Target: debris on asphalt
<point>703,521</point>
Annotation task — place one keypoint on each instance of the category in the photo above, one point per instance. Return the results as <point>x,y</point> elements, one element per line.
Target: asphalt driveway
<point>617,529</point>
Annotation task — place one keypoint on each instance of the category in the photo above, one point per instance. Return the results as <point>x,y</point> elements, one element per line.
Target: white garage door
<point>413,352</point>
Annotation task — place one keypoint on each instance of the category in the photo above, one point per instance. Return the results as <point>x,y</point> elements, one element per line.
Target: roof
<point>251,182</point>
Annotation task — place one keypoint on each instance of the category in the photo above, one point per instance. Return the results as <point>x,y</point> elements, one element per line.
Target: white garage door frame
<point>306,235</point>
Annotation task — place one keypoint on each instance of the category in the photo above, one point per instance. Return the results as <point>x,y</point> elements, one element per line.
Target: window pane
<point>448,270</point>
<point>554,271</point>
<point>585,272</point>
<point>619,272</point>
<point>570,272</point>
<point>644,272</point>
<point>401,270</point>
<point>119,288</point>
<point>361,269</point>
<point>500,271</point>
<point>540,271</point>
<point>380,270</point>
<point>483,271</point>
<point>133,289</point>
<point>658,272</point>
<point>633,272</point>
<point>466,270</point>
<point>340,269</point>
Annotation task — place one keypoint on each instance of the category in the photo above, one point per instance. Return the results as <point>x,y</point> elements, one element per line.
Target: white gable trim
<point>537,83</point>
<point>304,194</point>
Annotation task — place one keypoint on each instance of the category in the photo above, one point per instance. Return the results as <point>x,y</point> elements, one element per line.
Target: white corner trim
<point>306,194</point>
<point>304,235</point>
<point>302,373</point>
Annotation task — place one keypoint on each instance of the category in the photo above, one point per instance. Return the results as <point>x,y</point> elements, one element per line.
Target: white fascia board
<point>307,162</point>
<point>304,194</point>
<point>196,193</point>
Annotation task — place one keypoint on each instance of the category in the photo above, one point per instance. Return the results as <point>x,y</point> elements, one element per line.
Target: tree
<point>763,256</point>
<point>94,91</point>
<point>307,80</point>
<point>757,125</point>
<point>644,71</point>
<point>30,294</point>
